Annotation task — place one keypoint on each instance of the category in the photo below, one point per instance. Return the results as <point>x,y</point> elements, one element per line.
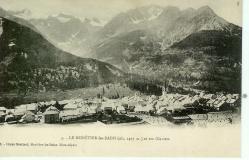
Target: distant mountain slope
<point>126,47</point>
<point>29,60</point>
<point>9,15</point>
<point>131,20</point>
<point>69,33</point>
<point>170,28</point>
<point>192,48</point>
<point>16,39</point>
<point>169,23</point>
<point>214,42</point>
<point>62,27</point>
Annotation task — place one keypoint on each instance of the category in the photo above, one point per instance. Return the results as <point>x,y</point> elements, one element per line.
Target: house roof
<point>29,113</point>
<point>217,101</point>
<point>92,110</point>
<point>3,109</point>
<point>19,112</point>
<point>120,108</point>
<point>219,104</point>
<point>49,112</point>
<point>162,109</point>
<point>208,96</point>
<point>70,113</point>
<point>48,103</point>
<point>236,96</point>
<point>2,113</point>
<point>211,101</point>
<point>71,106</point>
<point>32,106</point>
<point>174,106</point>
<point>52,108</point>
<point>132,103</point>
<point>9,116</point>
<point>64,102</point>
<point>230,101</point>
<point>142,109</point>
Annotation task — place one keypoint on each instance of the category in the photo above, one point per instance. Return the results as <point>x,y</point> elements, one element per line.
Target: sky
<point>106,9</point>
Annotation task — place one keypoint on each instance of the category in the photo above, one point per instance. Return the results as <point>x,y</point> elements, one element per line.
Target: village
<point>167,109</point>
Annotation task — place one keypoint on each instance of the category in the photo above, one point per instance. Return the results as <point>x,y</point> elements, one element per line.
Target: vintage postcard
<point>147,78</point>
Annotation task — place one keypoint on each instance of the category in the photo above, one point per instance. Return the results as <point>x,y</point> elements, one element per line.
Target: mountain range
<point>69,33</point>
<point>192,48</point>
<point>168,26</point>
<point>65,31</point>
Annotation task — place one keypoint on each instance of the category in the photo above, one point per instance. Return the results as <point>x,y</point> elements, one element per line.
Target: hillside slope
<point>68,32</point>
<point>29,62</point>
<point>191,48</point>
<point>169,26</point>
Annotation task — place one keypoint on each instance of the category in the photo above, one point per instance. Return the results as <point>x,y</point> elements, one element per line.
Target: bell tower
<point>164,91</point>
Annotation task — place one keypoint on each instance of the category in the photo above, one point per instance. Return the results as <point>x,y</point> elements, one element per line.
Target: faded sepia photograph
<point>168,65</point>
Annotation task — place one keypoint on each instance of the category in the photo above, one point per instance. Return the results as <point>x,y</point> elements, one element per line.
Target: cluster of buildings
<point>67,111</point>
<point>179,108</point>
<point>174,108</point>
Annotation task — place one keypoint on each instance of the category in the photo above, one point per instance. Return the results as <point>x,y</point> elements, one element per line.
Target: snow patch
<point>63,19</point>
<point>143,37</point>
<point>150,14</point>
<point>101,45</point>
<point>115,72</point>
<point>25,14</point>
<point>136,21</point>
<point>154,16</point>
<point>75,34</point>
<point>98,23</point>
<point>11,44</point>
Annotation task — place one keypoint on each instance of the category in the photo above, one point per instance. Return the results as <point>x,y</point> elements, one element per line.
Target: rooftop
<point>2,113</point>
<point>3,108</point>
<point>49,112</point>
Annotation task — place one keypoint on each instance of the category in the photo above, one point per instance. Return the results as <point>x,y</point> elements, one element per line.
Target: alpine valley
<point>190,49</point>
<point>29,62</point>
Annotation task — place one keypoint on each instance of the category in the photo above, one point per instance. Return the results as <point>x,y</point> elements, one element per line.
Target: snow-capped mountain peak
<point>146,13</point>
<point>63,18</point>
<point>95,22</point>
<point>25,14</point>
